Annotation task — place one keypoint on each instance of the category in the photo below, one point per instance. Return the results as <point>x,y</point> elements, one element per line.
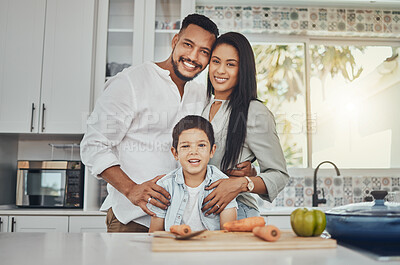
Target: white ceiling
<point>389,4</point>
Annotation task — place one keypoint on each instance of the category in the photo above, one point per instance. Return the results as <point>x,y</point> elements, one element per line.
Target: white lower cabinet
<point>280,221</point>
<point>3,223</point>
<point>84,224</point>
<point>50,223</point>
<point>38,223</point>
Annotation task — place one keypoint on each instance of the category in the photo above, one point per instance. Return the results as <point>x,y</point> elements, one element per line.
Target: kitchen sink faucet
<point>315,200</point>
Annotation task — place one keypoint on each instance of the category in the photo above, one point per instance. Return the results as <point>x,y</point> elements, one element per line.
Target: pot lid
<point>378,207</point>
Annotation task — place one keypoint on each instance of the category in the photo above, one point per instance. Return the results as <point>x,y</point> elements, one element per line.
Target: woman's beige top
<point>261,143</point>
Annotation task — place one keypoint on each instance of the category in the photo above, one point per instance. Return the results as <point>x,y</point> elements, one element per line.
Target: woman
<point>244,129</point>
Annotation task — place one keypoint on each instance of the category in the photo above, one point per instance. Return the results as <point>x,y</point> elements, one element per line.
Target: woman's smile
<point>220,80</point>
<point>224,70</point>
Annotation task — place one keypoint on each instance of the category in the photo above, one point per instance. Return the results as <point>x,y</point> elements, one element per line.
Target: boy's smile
<point>193,152</point>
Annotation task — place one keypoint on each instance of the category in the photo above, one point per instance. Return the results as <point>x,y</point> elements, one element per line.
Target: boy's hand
<point>149,192</point>
<point>243,169</point>
<point>225,191</point>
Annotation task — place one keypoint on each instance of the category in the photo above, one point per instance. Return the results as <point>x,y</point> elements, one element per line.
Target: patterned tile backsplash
<point>305,21</point>
<point>337,190</point>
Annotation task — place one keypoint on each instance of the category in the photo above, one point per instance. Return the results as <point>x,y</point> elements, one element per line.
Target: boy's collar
<point>210,177</point>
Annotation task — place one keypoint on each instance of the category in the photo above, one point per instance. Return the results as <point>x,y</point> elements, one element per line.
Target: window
<point>281,87</point>
<point>353,95</point>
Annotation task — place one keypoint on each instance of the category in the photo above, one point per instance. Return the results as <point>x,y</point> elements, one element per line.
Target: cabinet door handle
<point>44,108</point>
<point>33,111</point>
<point>13,222</point>
<point>1,224</point>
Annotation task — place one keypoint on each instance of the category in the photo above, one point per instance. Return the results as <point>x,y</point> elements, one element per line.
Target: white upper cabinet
<point>67,65</point>
<point>163,20</point>
<point>124,34</point>
<point>21,51</point>
<point>46,57</point>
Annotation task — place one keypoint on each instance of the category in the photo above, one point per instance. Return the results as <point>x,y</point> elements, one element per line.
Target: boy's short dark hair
<point>201,21</point>
<point>192,122</point>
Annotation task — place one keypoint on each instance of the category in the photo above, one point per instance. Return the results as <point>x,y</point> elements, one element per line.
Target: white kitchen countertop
<point>132,248</point>
<point>286,210</point>
<point>53,212</point>
<point>271,211</point>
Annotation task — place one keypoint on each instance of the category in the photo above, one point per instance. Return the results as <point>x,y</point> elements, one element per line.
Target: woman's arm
<point>156,224</point>
<point>242,169</point>
<point>228,189</point>
<point>227,215</point>
<point>263,141</point>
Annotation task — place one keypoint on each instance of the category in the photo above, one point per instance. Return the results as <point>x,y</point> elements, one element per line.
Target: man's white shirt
<point>131,126</point>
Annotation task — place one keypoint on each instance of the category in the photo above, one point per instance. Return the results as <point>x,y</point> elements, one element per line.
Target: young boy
<point>193,146</point>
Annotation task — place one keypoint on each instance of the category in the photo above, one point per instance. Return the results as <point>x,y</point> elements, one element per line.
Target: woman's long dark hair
<point>239,101</point>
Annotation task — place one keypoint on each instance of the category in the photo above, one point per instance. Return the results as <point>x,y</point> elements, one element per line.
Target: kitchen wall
<point>8,168</point>
<point>351,186</point>
<point>49,147</point>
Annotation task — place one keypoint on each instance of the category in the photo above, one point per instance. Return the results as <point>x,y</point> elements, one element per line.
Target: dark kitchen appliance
<point>50,184</point>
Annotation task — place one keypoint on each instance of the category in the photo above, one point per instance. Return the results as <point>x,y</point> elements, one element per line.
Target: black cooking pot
<point>376,221</point>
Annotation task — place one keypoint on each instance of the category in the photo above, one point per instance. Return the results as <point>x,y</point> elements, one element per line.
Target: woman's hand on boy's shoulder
<point>242,169</point>
<point>225,190</point>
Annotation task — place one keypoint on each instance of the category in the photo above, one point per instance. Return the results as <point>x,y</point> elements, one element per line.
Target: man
<point>129,132</point>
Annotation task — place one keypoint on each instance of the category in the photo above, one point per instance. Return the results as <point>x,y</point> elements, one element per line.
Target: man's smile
<point>189,64</point>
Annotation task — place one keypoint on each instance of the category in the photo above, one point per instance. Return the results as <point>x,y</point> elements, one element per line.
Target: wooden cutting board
<point>223,241</point>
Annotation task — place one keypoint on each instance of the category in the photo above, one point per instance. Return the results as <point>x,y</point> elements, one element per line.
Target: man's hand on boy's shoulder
<point>149,192</point>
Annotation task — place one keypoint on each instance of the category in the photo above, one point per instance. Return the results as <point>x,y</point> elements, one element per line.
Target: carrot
<point>180,229</point>
<point>268,233</point>
<point>244,225</point>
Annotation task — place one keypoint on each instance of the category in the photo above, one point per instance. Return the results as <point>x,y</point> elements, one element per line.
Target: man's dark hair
<point>192,122</point>
<point>201,21</point>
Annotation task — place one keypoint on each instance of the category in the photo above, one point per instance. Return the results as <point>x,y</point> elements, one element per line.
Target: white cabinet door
<point>84,224</point>
<point>38,224</point>
<point>163,20</point>
<point>21,51</point>
<point>3,223</point>
<point>67,65</point>
<point>282,222</point>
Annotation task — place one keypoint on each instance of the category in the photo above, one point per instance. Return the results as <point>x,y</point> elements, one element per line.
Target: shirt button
<point>184,200</point>
<point>179,217</point>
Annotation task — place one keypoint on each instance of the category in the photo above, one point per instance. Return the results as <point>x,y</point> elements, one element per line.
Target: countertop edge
<point>48,212</point>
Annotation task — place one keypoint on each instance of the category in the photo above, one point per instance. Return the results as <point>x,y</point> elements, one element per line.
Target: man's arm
<point>227,215</point>
<point>138,194</point>
<point>107,126</point>
<point>156,224</point>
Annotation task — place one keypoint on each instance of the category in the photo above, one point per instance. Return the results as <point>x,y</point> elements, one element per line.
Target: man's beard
<point>179,74</point>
